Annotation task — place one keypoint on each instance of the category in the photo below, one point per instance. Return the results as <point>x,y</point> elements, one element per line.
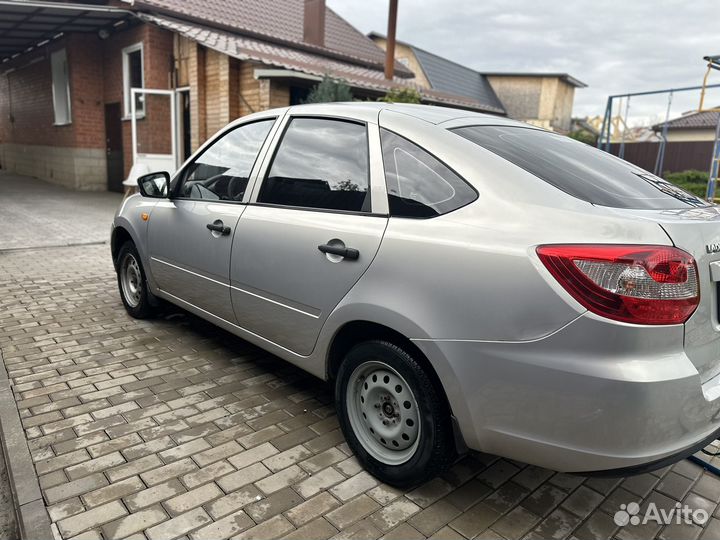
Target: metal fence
<point>679,156</point>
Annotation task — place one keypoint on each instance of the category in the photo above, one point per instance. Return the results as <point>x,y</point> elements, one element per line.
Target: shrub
<point>401,95</point>
<point>692,176</point>
<point>583,136</point>
<point>329,90</point>
<point>692,180</point>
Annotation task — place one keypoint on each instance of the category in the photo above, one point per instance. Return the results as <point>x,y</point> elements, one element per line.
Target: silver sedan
<point>463,280</point>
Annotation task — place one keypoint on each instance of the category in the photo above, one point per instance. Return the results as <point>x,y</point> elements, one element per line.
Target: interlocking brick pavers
<point>171,427</point>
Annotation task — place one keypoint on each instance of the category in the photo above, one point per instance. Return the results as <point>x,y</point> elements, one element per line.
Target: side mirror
<point>154,185</point>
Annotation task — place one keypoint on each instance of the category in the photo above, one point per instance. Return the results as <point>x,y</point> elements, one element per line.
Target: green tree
<point>328,90</point>
<point>347,185</point>
<point>402,95</point>
<point>583,136</point>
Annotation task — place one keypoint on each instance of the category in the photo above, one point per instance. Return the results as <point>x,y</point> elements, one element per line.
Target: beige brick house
<point>68,70</point>
<point>542,99</point>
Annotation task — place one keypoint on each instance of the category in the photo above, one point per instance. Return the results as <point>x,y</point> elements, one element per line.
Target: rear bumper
<point>654,465</point>
<point>594,396</point>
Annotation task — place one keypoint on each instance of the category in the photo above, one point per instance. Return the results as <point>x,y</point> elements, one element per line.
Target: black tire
<point>144,305</point>
<point>435,450</point>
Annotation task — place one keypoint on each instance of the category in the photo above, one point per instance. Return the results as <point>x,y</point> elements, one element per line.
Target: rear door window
<point>418,185</point>
<point>579,169</point>
<point>320,163</point>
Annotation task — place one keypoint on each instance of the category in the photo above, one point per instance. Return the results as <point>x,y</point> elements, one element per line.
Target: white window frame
<point>126,78</point>
<point>58,118</point>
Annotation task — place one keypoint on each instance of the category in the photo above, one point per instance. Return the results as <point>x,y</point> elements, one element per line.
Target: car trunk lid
<point>697,231</point>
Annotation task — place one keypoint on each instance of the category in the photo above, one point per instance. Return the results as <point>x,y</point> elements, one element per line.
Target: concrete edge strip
<point>32,517</point>
<point>54,246</point>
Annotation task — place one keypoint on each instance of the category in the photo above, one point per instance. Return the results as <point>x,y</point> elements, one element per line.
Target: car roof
<point>429,113</point>
<point>446,117</point>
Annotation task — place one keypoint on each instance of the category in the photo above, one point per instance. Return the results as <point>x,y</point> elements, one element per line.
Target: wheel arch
<point>358,331</point>
<point>119,236</point>
<point>355,332</point>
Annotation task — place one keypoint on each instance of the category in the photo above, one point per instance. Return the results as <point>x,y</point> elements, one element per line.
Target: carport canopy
<point>25,25</point>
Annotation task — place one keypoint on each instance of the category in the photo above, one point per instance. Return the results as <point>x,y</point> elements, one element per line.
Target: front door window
<point>222,171</point>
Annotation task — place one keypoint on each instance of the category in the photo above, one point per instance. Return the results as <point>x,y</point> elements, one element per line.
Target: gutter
<point>58,5</point>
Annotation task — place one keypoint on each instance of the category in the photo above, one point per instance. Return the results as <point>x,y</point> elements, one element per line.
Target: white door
<point>153,115</point>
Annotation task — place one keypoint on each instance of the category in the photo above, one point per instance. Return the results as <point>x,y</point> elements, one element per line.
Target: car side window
<point>222,171</point>
<point>418,185</point>
<point>320,163</point>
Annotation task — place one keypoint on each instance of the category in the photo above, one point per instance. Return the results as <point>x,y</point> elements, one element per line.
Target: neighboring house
<point>693,126</point>
<point>67,71</point>
<point>584,125</point>
<point>542,99</point>
<point>433,71</point>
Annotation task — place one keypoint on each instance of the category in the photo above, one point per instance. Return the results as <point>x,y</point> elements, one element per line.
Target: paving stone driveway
<point>171,427</point>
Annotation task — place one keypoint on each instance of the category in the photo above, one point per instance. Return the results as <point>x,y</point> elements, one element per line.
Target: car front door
<point>190,235</point>
<point>311,232</point>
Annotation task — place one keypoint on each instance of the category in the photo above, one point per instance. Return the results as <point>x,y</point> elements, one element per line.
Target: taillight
<point>635,284</point>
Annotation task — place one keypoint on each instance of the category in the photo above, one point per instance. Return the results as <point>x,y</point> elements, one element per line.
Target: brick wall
<point>249,89</point>
<point>154,130</point>
<point>73,154</point>
<point>27,133</point>
<point>26,97</point>
<point>221,90</point>
<point>216,91</point>
<point>542,101</point>
<point>279,95</point>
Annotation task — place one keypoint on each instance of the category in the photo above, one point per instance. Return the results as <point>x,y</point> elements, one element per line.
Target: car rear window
<point>579,169</point>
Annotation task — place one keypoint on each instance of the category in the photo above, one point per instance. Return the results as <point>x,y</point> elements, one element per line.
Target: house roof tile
<point>697,120</point>
<point>276,20</point>
<point>287,57</point>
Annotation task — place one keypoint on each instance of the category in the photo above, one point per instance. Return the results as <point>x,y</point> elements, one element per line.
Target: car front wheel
<point>393,417</point>
<point>132,283</point>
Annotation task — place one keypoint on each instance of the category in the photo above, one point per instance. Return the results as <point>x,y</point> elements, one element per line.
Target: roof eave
<point>563,76</point>
<point>141,5</point>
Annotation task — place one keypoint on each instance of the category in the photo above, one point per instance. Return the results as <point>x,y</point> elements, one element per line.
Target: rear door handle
<point>347,253</point>
<point>219,227</point>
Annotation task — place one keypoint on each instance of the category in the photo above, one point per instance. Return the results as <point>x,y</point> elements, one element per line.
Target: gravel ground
<point>8,527</point>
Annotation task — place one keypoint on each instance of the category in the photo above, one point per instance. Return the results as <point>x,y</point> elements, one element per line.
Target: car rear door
<point>313,227</point>
<point>190,236</point>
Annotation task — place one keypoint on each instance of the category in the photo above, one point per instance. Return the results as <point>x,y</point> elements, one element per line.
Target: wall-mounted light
<point>103,33</point>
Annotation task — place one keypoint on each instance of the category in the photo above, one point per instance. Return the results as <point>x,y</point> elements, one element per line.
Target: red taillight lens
<point>636,284</point>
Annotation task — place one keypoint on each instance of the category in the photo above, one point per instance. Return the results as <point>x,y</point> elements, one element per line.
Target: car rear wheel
<point>132,283</point>
<point>393,417</point>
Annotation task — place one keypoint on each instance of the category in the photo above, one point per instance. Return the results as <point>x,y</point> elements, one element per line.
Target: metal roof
<point>25,25</point>
<point>447,76</point>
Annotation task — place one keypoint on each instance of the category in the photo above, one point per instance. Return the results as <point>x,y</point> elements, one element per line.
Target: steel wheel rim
<point>131,280</point>
<point>383,412</point>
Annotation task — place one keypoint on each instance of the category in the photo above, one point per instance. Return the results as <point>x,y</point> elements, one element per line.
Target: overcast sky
<point>614,46</point>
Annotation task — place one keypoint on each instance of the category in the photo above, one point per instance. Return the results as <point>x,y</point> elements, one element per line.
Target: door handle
<point>219,227</point>
<point>348,253</point>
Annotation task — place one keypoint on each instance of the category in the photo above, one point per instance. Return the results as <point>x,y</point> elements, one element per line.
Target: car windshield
<point>579,169</point>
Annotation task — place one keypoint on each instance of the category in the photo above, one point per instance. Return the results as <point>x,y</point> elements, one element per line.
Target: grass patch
<point>691,180</point>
